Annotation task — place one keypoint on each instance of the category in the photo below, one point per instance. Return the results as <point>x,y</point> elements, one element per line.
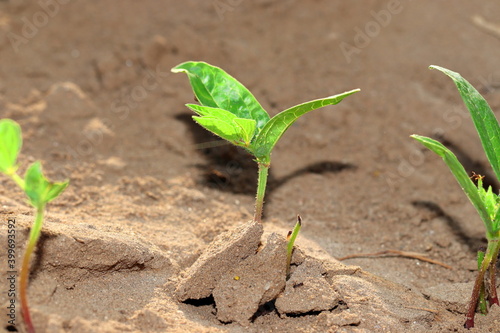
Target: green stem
<point>23,280</point>
<point>291,243</point>
<point>261,191</point>
<point>492,249</point>
<point>483,307</point>
<point>18,180</point>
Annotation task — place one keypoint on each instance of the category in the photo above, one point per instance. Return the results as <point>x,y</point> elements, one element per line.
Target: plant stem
<point>261,191</point>
<point>488,258</point>
<point>23,280</point>
<point>291,242</point>
<point>482,305</point>
<point>18,180</point>
<point>493,298</point>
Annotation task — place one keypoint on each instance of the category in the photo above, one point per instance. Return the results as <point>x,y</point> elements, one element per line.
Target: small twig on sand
<point>414,255</point>
<point>422,309</point>
<point>492,28</point>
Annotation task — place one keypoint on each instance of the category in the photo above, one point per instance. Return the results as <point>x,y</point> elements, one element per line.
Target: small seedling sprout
<point>39,192</point>
<point>486,202</point>
<point>228,109</point>
<point>292,235</point>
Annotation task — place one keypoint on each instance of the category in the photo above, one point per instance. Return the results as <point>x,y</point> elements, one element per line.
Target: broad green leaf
<point>11,142</point>
<point>274,129</point>
<point>219,127</point>
<point>238,131</point>
<point>215,88</point>
<point>38,189</point>
<point>461,176</point>
<point>484,119</point>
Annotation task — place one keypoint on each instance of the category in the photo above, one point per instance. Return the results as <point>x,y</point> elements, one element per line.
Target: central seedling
<point>486,202</point>
<point>229,110</point>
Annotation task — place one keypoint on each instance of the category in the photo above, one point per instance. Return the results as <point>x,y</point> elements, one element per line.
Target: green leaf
<point>461,176</point>
<point>215,88</point>
<point>484,119</point>
<point>219,127</point>
<point>238,131</point>
<point>247,129</point>
<point>39,190</point>
<point>489,199</point>
<point>496,220</point>
<point>11,142</point>
<point>210,111</point>
<point>491,202</point>
<point>276,127</point>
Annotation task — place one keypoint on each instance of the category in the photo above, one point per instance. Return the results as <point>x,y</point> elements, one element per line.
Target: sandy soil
<point>90,84</point>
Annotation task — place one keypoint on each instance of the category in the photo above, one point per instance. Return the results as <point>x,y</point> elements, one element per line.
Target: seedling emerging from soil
<point>292,235</point>
<point>229,110</point>
<point>486,202</point>
<point>39,192</point>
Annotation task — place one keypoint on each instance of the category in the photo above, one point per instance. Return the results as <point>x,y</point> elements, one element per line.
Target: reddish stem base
<point>490,264</point>
<point>23,286</point>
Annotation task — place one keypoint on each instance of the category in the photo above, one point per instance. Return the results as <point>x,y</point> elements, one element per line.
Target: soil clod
<point>225,252</point>
<point>307,291</point>
<point>254,282</point>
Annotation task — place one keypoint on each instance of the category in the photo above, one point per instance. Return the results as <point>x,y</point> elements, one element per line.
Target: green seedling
<point>486,202</point>
<point>292,235</point>
<point>39,192</point>
<point>229,110</point>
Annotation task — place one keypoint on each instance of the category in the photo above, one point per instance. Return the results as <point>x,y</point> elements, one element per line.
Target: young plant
<point>39,192</point>
<point>292,235</point>
<point>486,202</point>
<point>229,110</point>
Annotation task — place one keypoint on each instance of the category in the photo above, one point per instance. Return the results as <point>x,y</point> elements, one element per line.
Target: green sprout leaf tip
<point>38,188</point>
